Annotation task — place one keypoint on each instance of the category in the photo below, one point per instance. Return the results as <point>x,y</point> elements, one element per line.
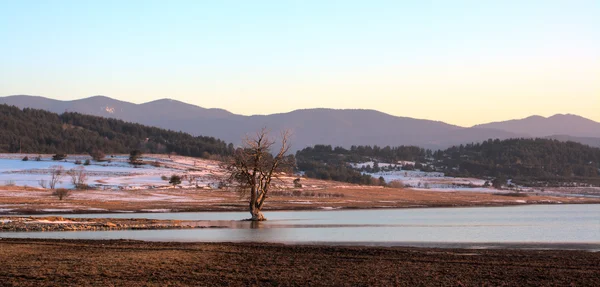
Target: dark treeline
<point>38,131</point>
<point>323,162</point>
<point>326,153</point>
<point>525,160</point>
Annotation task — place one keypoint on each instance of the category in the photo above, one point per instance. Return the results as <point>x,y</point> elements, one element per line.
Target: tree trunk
<point>257,215</point>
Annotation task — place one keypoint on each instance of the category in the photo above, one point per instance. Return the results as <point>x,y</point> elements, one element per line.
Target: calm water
<point>529,224</point>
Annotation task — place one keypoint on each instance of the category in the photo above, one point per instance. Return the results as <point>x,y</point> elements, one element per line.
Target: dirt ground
<point>27,262</point>
<point>18,200</point>
<point>59,223</point>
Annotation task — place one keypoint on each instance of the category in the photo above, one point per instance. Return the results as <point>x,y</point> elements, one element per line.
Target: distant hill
<point>537,126</point>
<point>38,131</point>
<point>107,107</point>
<point>309,127</point>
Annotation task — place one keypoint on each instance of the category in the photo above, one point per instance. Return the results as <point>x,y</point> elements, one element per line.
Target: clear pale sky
<point>462,62</point>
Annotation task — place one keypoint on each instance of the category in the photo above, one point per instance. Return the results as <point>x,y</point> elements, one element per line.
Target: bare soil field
<point>29,262</point>
<point>21,200</point>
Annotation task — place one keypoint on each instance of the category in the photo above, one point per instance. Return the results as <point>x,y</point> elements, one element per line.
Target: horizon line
<point>300,109</point>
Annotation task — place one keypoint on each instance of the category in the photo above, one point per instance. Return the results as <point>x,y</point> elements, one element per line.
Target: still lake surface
<point>570,225</point>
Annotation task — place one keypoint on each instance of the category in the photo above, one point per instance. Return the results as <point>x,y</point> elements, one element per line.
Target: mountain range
<point>319,126</point>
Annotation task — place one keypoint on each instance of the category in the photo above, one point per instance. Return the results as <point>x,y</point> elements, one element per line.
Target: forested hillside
<point>323,163</point>
<point>38,131</point>
<point>326,162</point>
<point>524,160</point>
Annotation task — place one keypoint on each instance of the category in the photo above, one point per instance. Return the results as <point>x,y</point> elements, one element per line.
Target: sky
<point>461,62</point>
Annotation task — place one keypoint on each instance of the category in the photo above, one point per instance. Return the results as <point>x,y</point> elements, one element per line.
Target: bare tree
<point>56,174</point>
<point>252,167</point>
<point>78,176</point>
<point>192,179</point>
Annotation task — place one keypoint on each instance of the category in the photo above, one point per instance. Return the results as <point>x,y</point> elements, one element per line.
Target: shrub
<point>175,180</point>
<point>97,155</point>
<point>134,157</point>
<point>297,183</point>
<point>77,162</point>
<point>86,162</point>
<point>164,177</point>
<point>59,156</point>
<point>26,158</point>
<point>396,184</point>
<point>381,181</point>
<point>38,158</point>
<point>408,167</point>
<point>498,182</point>
<point>61,193</point>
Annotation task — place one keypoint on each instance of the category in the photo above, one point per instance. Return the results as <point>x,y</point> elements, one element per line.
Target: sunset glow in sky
<point>462,62</point>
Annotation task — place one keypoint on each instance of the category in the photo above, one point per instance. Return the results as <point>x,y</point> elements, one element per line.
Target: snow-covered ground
<point>431,180</point>
<point>434,181</point>
<point>115,173</point>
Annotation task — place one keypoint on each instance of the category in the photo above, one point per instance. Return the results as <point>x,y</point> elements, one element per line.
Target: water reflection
<point>573,224</point>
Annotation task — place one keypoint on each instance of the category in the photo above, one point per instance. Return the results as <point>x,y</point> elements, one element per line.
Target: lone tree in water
<point>252,168</point>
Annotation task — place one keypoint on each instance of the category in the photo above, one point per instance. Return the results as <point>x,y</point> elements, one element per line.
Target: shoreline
<point>31,262</point>
<point>473,246</point>
<point>60,224</point>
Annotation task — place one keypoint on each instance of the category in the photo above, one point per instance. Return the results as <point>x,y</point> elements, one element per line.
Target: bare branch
<point>252,167</point>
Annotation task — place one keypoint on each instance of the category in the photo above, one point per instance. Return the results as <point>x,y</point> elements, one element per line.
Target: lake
<point>569,226</point>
